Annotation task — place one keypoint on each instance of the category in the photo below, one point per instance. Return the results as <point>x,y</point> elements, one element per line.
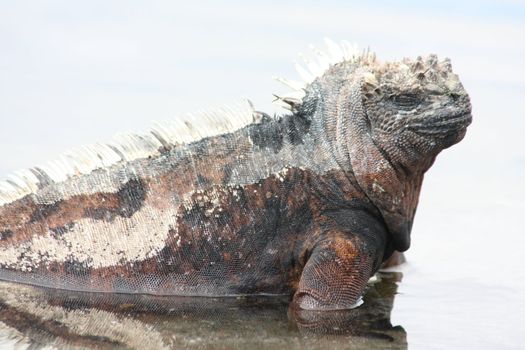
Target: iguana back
<point>310,202</point>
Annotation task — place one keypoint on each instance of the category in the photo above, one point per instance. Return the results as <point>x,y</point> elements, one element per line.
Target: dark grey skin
<point>391,121</point>
<point>308,204</point>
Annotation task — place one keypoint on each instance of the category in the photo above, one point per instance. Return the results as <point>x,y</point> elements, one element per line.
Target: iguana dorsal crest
<point>127,147</point>
<point>183,129</point>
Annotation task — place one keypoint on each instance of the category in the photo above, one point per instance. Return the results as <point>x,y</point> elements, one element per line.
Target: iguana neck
<point>392,186</point>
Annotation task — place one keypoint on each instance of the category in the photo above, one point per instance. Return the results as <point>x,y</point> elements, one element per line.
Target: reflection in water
<point>371,320</point>
<point>40,317</point>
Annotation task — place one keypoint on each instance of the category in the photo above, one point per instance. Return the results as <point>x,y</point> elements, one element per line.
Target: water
<point>78,74</point>
<point>40,318</point>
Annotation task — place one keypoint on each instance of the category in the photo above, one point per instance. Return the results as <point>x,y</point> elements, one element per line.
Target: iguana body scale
<point>309,203</point>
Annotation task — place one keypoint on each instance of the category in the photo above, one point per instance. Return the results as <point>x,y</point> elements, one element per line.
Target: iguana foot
<point>336,274</point>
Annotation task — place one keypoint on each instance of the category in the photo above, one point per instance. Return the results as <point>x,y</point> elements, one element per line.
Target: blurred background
<point>76,73</point>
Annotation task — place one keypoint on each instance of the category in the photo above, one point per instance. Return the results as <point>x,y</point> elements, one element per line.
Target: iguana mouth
<point>442,126</point>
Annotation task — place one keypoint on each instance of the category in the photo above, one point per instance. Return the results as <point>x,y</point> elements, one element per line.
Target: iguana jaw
<point>442,125</point>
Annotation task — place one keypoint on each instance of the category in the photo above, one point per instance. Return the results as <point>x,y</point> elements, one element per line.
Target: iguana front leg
<point>337,271</point>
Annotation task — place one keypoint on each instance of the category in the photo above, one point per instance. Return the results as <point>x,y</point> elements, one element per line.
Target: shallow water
<point>76,74</point>
<point>33,317</point>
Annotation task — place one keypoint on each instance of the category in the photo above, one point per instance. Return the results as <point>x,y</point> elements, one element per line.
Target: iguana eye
<point>405,101</point>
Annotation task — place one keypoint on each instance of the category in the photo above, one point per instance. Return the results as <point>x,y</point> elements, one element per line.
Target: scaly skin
<point>310,203</point>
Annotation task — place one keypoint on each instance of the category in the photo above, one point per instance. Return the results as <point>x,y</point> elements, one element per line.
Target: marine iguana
<point>236,202</point>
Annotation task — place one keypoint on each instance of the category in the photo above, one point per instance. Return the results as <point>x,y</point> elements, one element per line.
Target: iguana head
<point>408,112</point>
<point>386,122</point>
<point>415,108</point>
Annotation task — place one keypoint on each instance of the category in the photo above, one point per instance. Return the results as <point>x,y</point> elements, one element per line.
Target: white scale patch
<point>281,175</point>
<point>201,198</point>
<point>97,243</point>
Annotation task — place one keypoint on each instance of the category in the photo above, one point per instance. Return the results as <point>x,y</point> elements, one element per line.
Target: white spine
<point>128,147</point>
<point>316,67</point>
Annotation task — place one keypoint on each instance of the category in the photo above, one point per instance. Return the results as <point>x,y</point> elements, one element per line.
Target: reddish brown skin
<point>302,221</point>
<point>317,231</point>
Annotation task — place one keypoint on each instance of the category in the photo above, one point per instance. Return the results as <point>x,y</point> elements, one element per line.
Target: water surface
<point>34,318</point>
